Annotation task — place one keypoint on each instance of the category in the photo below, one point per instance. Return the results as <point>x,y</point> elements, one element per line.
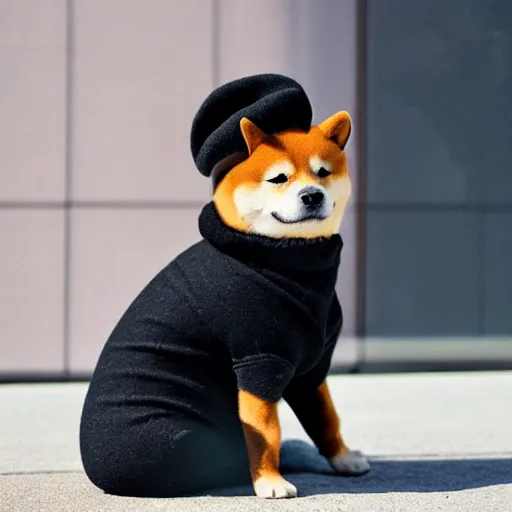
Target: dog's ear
<point>337,128</point>
<point>253,136</point>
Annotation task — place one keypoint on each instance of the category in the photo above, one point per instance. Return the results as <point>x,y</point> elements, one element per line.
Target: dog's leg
<point>317,414</point>
<point>262,433</point>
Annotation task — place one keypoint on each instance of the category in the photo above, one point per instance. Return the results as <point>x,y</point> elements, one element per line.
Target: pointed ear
<point>253,136</point>
<point>337,128</point>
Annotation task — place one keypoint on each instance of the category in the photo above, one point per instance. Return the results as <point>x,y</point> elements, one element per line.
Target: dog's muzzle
<point>312,201</point>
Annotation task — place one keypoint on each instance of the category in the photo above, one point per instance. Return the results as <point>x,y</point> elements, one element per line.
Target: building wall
<point>439,186</point>
<point>98,190</point>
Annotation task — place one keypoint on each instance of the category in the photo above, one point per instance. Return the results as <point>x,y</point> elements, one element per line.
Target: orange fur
<point>316,412</point>
<point>262,435</point>
<point>323,141</point>
<point>330,442</point>
<point>253,136</point>
<point>337,128</point>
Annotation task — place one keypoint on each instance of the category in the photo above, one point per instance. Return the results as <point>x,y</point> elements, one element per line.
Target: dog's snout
<point>313,199</point>
<point>311,196</point>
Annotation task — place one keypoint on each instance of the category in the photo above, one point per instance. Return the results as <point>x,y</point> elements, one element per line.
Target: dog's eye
<point>323,172</point>
<point>280,178</point>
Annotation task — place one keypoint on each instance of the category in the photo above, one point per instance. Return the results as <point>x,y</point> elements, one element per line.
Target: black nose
<point>311,197</point>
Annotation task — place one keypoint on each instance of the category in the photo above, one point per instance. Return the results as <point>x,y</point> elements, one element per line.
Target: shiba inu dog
<point>184,396</point>
<point>293,185</point>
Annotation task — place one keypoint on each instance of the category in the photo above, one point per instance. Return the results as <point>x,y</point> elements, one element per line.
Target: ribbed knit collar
<point>299,254</point>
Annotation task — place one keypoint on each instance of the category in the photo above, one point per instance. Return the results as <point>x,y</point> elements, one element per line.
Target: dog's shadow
<point>302,465</point>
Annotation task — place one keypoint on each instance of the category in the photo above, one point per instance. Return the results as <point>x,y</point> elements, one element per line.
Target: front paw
<point>350,463</point>
<point>274,487</point>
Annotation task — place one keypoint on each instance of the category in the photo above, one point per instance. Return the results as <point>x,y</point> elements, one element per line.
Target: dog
<point>184,396</point>
<point>294,185</point>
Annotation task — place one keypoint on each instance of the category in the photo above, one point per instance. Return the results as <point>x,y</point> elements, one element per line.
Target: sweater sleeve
<point>265,376</point>
<point>311,380</point>
<point>265,343</point>
<point>265,354</point>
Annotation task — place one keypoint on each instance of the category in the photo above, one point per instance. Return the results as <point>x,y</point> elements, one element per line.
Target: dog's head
<point>293,184</point>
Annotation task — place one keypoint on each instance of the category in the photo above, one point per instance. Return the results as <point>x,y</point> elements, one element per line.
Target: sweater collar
<point>300,254</point>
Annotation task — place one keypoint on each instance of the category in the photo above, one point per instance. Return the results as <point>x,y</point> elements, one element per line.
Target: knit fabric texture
<point>234,311</point>
<point>273,102</point>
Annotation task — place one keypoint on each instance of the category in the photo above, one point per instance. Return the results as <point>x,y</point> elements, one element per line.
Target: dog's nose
<point>311,196</point>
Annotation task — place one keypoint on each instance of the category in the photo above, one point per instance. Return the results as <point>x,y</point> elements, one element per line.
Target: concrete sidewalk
<point>436,442</point>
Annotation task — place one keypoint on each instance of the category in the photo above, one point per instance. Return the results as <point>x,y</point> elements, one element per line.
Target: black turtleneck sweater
<point>234,311</point>
<point>272,303</point>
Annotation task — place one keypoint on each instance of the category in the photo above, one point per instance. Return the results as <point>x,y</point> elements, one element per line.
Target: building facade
<point>98,190</point>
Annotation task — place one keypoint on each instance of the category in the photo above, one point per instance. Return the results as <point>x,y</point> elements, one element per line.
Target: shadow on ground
<point>310,473</point>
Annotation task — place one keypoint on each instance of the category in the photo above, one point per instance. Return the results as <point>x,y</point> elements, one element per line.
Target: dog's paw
<point>350,463</point>
<point>274,487</point>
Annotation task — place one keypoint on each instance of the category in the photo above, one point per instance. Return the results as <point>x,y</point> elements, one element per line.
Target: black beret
<point>273,102</point>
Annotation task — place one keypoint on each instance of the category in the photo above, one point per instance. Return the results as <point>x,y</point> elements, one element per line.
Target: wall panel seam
<point>69,72</point>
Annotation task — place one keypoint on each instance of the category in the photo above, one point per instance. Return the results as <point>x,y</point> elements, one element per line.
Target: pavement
<point>436,441</point>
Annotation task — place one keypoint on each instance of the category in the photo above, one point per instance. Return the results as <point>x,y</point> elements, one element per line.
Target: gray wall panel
<point>439,100</point>
<point>439,108</point>
<point>498,273</point>
<point>422,277</point>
